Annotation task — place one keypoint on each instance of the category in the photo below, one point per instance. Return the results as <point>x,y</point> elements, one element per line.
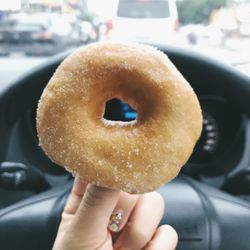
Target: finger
<point>75,196</point>
<point>143,222</point>
<point>122,211</point>
<point>94,211</point>
<point>165,238</point>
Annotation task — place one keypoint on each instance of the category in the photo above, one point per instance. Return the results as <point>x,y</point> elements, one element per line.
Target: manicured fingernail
<point>115,221</point>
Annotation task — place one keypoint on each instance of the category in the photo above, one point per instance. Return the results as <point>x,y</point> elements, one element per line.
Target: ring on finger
<point>115,221</point>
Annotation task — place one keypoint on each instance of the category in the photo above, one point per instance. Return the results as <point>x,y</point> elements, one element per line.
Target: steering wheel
<point>204,217</point>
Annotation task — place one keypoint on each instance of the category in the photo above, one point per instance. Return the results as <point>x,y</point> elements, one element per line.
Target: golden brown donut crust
<point>136,157</point>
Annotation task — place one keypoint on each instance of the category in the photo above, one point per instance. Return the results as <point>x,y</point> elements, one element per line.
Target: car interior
<point>208,203</point>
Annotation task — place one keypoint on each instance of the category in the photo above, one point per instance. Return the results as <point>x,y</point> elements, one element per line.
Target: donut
<point>137,156</point>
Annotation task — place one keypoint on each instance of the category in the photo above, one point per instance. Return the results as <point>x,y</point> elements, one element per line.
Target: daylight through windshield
<point>33,30</point>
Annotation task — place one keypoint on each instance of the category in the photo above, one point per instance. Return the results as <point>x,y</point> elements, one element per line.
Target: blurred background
<point>33,30</point>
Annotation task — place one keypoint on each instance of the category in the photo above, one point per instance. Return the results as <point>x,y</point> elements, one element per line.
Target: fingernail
<point>115,221</point>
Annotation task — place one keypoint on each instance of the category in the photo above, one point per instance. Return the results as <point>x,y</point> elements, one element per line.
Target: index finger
<point>75,196</point>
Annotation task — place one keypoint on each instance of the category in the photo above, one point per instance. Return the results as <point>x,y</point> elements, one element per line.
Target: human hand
<point>87,225</point>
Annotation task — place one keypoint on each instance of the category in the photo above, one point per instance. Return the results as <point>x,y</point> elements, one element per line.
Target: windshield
<point>143,9</point>
<point>31,31</point>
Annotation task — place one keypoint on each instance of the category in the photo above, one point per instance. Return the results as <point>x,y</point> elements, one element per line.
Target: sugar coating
<point>118,123</point>
<point>137,156</point>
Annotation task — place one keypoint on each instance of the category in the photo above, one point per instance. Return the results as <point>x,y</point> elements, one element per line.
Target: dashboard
<point>221,143</point>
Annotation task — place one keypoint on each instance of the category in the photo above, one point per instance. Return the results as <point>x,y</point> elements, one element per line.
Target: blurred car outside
<point>38,34</point>
<point>145,20</point>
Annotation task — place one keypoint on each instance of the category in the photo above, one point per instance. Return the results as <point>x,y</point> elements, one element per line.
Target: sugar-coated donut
<point>137,156</point>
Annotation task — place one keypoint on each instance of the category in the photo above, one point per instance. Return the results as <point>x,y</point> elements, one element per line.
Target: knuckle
<point>158,199</point>
<point>141,235</point>
<point>174,233</point>
<point>167,239</point>
<point>155,199</point>
<point>93,197</point>
<point>169,230</point>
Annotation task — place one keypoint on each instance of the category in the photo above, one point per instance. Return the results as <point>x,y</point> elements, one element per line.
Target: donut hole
<point>120,111</point>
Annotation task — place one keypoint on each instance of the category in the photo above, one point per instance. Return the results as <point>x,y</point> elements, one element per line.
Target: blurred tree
<point>197,11</point>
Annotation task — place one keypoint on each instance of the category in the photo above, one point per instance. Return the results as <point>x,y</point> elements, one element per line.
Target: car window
<point>28,27</point>
<point>143,9</point>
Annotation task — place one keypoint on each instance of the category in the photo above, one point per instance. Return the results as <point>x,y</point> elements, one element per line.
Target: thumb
<point>95,209</point>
